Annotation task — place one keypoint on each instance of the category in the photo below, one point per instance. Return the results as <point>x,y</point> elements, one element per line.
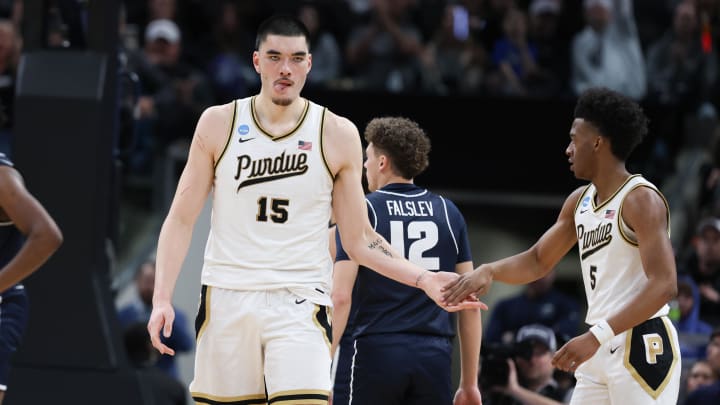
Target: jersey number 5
<point>421,237</point>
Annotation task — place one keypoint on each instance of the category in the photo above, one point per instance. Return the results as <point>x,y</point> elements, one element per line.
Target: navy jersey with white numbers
<point>428,230</point>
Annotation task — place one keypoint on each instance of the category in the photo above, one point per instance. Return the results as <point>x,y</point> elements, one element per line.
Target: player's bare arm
<point>645,212</point>
<point>344,275</point>
<point>469,327</point>
<point>43,237</point>
<point>193,188</point>
<point>343,150</point>
<point>523,267</point>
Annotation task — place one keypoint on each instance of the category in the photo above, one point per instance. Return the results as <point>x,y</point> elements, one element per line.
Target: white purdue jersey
<point>271,208</point>
<point>611,267</point>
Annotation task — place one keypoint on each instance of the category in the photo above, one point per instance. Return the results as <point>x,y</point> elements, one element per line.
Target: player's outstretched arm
<point>524,267</point>
<point>176,232</point>
<point>42,235</point>
<point>343,151</point>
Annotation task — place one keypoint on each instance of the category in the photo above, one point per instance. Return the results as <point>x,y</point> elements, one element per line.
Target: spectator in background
<point>326,55</point>
<point>553,49</point>
<point>692,331</point>
<point>164,389</point>
<point>704,267</point>
<point>514,57</point>
<point>383,54</point>
<point>453,61</point>
<point>709,394</point>
<point>700,374</point>
<point>139,309</point>
<point>607,51</point>
<point>174,93</point>
<point>530,371</point>
<point>228,71</point>
<point>680,73</point>
<point>541,303</point>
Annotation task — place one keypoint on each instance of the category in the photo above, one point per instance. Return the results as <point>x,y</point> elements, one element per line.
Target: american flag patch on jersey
<point>304,145</point>
<point>609,214</point>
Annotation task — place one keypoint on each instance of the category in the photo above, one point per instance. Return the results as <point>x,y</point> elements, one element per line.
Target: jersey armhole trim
<point>229,136</point>
<point>322,148</point>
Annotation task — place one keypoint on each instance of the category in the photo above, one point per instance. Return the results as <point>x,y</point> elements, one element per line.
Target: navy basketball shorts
<point>402,368</point>
<point>14,306</point>
<point>341,386</point>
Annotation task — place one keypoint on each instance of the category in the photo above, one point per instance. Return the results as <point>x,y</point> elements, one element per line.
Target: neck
<point>610,180</point>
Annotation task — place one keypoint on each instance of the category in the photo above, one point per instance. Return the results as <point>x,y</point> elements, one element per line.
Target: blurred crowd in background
<point>180,56</point>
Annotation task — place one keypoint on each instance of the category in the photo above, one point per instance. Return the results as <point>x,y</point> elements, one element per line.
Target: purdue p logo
<point>653,347</point>
<point>652,355</point>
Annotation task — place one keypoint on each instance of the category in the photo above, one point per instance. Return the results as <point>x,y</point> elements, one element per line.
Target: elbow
<point>341,299</point>
<point>55,238</point>
<point>671,289</point>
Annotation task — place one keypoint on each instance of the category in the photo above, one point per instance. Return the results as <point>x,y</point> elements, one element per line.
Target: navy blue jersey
<point>428,230</point>
<point>11,240</point>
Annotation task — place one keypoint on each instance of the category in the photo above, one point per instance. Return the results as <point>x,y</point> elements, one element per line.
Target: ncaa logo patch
<point>243,129</point>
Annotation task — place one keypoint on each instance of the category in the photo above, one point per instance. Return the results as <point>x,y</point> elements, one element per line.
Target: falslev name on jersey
<point>402,208</point>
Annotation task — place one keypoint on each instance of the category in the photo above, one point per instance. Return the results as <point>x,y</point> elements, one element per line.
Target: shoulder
<point>338,126</point>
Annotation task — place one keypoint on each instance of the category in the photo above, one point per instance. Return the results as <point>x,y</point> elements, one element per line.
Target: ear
<point>256,61</point>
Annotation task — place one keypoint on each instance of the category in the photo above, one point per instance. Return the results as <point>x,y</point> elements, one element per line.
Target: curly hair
<point>616,116</point>
<point>403,141</point>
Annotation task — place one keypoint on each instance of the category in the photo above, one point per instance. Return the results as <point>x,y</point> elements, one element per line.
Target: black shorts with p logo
<point>653,354</point>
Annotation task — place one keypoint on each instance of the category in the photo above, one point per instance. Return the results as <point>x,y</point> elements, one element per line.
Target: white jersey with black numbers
<point>271,203</point>
<point>611,267</point>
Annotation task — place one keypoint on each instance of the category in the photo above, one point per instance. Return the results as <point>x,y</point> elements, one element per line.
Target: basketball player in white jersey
<point>620,223</point>
<point>274,163</point>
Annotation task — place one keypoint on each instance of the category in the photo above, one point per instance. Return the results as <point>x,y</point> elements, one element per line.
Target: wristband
<point>602,331</point>
<point>419,277</point>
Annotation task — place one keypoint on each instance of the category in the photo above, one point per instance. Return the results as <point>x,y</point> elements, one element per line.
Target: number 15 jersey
<point>271,203</point>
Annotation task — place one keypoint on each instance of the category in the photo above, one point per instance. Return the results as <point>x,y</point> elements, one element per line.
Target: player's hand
<point>475,283</point>
<point>468,396</point>
<point>162,317</point>
<point>433,282</point>
<point>575,352</point>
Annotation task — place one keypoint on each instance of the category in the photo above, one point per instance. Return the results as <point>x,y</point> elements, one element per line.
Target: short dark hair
<point>403,141</point>
<point>281,24</point>
<point>616,116</point>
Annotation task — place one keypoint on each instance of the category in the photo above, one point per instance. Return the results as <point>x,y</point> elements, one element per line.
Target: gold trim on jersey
<point>280,137</point>
<point>322,149</point>
<point>619,189</point>
<point>300,397</point>
<point>636,376</point>
<point>229,137</point>
<point>255,399</point>
<point>622,226</point>
<point>582,195</point>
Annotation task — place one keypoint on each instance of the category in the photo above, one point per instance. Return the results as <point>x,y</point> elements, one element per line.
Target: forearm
<point>469,336</point>
<point>377,254</point>
<point>341,312</point>
<point>645,304</point>
<point>173,245</point>
<point>36,250</point>
<point>521,268</point>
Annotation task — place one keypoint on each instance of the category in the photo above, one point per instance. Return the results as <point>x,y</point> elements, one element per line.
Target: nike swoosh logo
<point>581,211</point>
<point>245,140</point>
<point>300,301</point>
<point>614,350</point>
